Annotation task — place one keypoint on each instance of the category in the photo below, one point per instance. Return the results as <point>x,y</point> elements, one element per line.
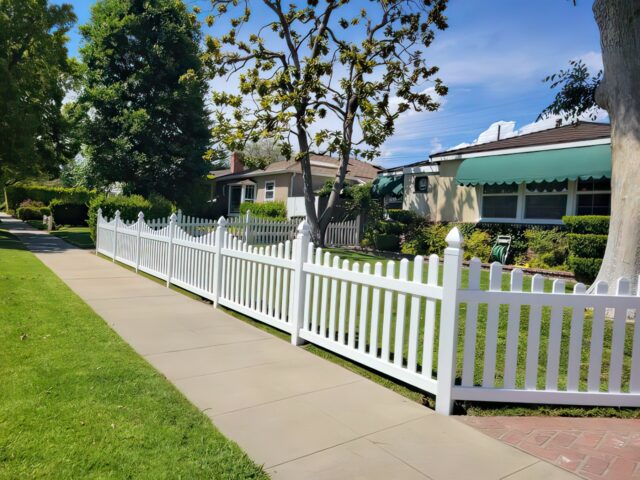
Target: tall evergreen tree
<point>146,122</point>
<point>34,72</point>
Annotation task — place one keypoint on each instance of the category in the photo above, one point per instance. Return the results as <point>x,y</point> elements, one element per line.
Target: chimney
<point>236,162</point>
<point>558,122</point>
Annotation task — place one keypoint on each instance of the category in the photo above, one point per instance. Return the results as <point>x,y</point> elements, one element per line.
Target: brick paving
<point>593,448</point>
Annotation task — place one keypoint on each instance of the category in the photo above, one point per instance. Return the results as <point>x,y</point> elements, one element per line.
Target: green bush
<point>426,239</point>
<point>477,244</point>
<point>68,212</point>
<point>408,217</point>
<point>17,193</point>
<point>594,224</point>
<point>392,228</point>
<point>587,245</point>
<point>547,247</point>
<point>32,213</point>
<point>129,206</point>
<point>585,269</point>
<point>387,242</point>
<point>273,210</point>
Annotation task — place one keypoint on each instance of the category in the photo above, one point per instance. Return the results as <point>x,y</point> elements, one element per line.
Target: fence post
<point>99,220</point>
<point>172,229</point>
<point>179,216</point>
<point>139,238</point>
<point>49,223</point>
<point>301,246</point>
<point>453,255</point>
<point>247,228</point>
<point>116,220</point>
<point>220,236</point>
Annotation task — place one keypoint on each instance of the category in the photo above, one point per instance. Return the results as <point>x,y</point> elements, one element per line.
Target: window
<point>249,193</point>
<point>546,200</point>
<point>500,201</point>
<point>594,197</point>
<point>422,184</point>
<point>269,191</point>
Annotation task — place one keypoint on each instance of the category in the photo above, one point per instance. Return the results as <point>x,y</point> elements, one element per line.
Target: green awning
<point>388,185</point>
<point>546,165</point>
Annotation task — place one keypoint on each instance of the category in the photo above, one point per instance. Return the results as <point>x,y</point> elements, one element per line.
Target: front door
<point>235,199</point>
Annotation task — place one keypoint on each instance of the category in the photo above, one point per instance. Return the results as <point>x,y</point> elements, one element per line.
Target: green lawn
<point>78,236</point>
<point>77,402</point>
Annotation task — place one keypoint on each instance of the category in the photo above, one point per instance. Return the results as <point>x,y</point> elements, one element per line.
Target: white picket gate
<point>406,323</point>
<point>341,234</point>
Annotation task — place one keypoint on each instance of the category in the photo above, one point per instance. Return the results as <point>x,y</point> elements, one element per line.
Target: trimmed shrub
<point>477,244</point>
<point>69,212</point>
<point>129,206</point>
<point>17,193</point>
<point>32,213</point>
<point>387,242</point>
<point>408,217</point>
<point>587,245</point>
<point>547,247</point>
<point>585,269</point>
<point>392,228</point>
<point>273,210</point>
<point>426,239</point>
<point>595,224</point>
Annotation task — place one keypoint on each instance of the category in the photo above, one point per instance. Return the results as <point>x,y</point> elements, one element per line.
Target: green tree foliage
<point>34,73</point>
<point>143,93</point>
<point>359,64</point>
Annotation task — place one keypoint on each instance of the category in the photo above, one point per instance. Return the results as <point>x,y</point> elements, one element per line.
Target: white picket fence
<point>414,323</point>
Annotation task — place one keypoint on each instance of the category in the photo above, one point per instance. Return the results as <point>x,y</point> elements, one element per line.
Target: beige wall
<point>446,201</point>
<point>318,182</point>
<point>283,182</point>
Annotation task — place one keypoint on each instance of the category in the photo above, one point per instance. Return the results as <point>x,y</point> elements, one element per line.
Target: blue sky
<point>493,58</point>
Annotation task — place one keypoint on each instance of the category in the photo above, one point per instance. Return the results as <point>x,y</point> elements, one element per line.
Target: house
<point>534,178</point>
<point>279,181</point>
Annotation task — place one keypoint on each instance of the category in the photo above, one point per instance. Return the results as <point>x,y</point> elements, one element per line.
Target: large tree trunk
<point>619,94</point>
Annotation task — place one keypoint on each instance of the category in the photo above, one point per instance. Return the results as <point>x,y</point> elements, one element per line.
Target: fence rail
<point>411,320</point>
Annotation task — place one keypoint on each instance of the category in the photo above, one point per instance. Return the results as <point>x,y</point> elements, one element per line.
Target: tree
<point>358,67</point>
<point>262,153</point>
<point>35,74</point>
<point>616,91</point>
<point>146,124</point>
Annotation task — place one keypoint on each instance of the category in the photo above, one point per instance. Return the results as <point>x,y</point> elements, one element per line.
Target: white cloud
<point>593,60</point>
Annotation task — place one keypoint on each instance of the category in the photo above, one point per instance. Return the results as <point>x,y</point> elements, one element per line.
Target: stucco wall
<point>446,201</point>
<point>318,182</point>
<point>282,180</point>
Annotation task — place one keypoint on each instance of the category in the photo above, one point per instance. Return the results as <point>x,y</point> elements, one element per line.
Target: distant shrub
<point>587,245</point>
<point>392,228</point>
<point>594,224</point>
<point>69,212</point>
<point>585,269</point>
<point>387,242</point>
<point>547,247</point>
<point>19,192</point>
<point>31,203</point>
<point>426,239</point>
<point>129,207</point>
<point>477,244</point>
<point>273,210</point>
<point>32,213</point>
<point>407,217</point>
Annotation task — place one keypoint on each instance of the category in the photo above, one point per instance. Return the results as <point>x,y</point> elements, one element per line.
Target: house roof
<point>576,132</point>
<point>321,165</point>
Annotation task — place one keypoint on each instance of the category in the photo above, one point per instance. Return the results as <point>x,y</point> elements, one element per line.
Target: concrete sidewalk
<point>295,413</point>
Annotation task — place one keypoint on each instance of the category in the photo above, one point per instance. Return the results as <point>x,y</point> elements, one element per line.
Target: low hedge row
<point>594,224</point>
<point>273,210</point>
<point>18,193</point>
<point>585,269</point>
<point>69,212</point>
<point>588,245</point>
<point>129,207</point>
<point>32,213</point>
<point>587,241</point>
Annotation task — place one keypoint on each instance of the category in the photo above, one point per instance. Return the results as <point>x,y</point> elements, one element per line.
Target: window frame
<point>415,185</point>
<point>245,198</point>
<point>498,219</point>
<point>268,190</point>
<point>591,192</point>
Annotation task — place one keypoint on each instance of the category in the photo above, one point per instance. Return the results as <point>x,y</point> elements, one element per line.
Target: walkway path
<point>295,413</point>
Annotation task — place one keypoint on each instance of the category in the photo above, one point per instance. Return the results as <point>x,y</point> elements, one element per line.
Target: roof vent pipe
<point>499,127</point>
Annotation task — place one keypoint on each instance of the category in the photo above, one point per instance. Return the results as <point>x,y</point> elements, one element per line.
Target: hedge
<point>17,193</point>
<point>69,212</point>
<point>407,217</point>
<point>585,269</point>
<point>32,213</point>
<point>587,245</point>
<point>274,210</point>
<point>129,206</point>
<point>594,224</point>
<point>387,242</point>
